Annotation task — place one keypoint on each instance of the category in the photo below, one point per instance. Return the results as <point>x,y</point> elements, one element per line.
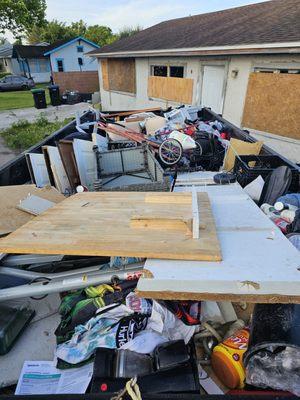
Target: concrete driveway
<point>7,118</point>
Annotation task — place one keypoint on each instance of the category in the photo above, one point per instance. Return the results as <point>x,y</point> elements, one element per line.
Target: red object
<point>224,135</point>
<point>103,387</point>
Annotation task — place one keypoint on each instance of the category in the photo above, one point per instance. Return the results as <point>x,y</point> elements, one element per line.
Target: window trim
<point>63,64</point>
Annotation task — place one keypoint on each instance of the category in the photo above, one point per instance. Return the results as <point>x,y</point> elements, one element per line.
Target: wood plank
<point>66,152</point>
<point>98,223</point>
<point>173,89</point>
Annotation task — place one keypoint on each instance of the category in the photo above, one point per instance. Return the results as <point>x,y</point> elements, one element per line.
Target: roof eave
<point>271,48</point>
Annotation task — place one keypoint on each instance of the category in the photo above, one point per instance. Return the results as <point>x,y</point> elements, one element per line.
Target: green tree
<point>54,30</point>
<point>78,28</point>
<point>51,32</point>
<point>127,31</point>
<point>100,35</point>
<point>18,15</point>
<point>3,40</point>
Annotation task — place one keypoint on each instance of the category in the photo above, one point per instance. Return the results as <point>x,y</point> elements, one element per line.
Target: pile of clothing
<point>112,316</point>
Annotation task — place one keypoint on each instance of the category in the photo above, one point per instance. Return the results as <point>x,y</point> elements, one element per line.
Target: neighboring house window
<point>60,65</point>
<point>44,65</point>
<point>80,49</point>
<point>174,71</point>
<point>80,61</point>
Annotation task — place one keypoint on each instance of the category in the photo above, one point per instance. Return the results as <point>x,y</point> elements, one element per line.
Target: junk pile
<point>114,192</point>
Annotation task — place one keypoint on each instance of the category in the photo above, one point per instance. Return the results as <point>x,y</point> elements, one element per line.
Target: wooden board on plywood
<point>11,217</point>
<point>272,104</point>
<point>99,223</point>
<point>173,89</point>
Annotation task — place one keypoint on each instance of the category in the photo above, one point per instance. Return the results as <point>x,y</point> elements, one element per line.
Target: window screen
<point>60,65</point>
<point>159,70</point>
<point>176,72</point>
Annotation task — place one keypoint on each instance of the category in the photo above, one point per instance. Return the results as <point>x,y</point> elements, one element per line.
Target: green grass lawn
<point>21,98</point>
<point>23,134</point>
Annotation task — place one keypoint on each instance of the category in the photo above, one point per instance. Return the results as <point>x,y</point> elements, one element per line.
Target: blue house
<point>69,55</point>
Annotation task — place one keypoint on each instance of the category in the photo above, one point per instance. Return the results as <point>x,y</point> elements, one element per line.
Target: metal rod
<point>70,283</point>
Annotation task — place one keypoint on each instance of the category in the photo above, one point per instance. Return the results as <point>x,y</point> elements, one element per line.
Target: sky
<point>119,13</point>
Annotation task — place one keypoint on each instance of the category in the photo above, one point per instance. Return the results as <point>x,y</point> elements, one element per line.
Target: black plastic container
<point>276,325</point>
<point>263,166</point>
<point>39,98</point>
<point>54,95</point>
<point>13,320</point>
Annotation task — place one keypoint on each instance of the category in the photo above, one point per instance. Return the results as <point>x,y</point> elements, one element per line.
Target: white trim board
<point>259,263</point>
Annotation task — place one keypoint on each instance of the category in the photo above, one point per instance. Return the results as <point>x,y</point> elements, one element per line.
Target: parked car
<point>16,82</point>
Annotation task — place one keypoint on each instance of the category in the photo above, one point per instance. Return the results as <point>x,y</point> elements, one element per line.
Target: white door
<point>86,162</point>
<point>39,169</point>
<point>59,174</point>
<point>212,94</point>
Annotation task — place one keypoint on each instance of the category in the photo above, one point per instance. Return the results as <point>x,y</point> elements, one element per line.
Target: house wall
<point>69,55</point>
<point>40,69</point>
<point>11,65</point>
<point>235,85</point>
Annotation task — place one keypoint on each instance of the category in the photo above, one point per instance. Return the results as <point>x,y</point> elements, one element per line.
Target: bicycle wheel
<point>170,151</point>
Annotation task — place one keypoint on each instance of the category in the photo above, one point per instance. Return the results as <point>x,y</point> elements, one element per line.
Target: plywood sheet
<point>12,218</point>
<point>97,224</point>
<point>121,74</point>
<point>272,104</point>
<point>104,69</point>
<point>173,89</point>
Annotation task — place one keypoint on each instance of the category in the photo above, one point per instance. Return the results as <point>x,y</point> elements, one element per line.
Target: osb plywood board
<point>273,104</point>
<point>104,224</point>
<point>173,89</point>
<point>104,68</point>
<point>11,217</point>
<point>121,74</point>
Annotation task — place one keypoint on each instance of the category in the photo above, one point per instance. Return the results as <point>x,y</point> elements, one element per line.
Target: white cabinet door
<point>59,173</point>
<point>212,94</point>
<point>39,169</point>
<point>86,162</point>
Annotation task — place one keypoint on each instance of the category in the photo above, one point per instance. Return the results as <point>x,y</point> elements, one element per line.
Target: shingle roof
<point>268,22</point>
<point>31,51</point>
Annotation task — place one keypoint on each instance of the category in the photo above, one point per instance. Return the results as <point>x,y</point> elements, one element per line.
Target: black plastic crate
<point>263,166</point>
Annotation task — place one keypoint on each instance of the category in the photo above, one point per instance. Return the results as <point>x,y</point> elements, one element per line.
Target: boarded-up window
<point>104,69</point>
<point>272,104</point>
<point>119,74</point>
<point>179,90</point>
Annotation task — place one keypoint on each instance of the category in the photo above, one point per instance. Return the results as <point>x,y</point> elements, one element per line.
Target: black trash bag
<point>276,184</point>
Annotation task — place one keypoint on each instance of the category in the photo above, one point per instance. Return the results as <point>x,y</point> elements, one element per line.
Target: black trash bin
<point>39,98</point>
<point>54,95</point>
